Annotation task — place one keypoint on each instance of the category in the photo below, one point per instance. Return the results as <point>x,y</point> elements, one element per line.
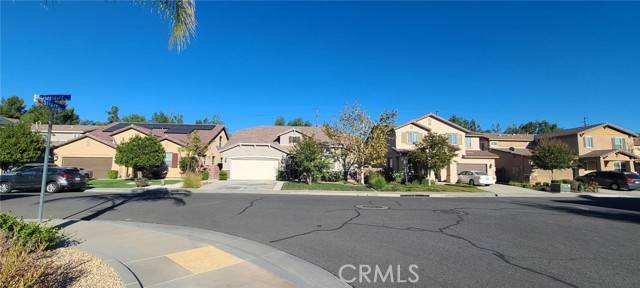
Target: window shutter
<point>174,160</point>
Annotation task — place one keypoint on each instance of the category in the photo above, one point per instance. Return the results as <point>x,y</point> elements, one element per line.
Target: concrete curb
<point>293,269</point>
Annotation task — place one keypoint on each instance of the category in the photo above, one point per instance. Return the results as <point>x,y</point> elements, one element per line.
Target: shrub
<point>398,177</point>
<point>112,174</point>
<point>376,181</point>
<point>142,182</point>
<point>205,175</point>
<point>191,181</point>
<point>30,234</point>
<point>332,176</point>
<point>224,175</point>
<point>282,176</point>
<point>188,164</point>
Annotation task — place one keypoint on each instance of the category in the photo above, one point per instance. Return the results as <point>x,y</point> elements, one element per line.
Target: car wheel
<point>52,187</point>
<point>615,186</point>
<point>5,187</point>
<point>471,182</point>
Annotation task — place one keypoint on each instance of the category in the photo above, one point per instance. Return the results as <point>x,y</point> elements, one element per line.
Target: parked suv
<point>30,178</point>
<point>613,179</point>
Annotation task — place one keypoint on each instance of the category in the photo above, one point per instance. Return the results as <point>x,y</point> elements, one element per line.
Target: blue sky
<point>250,62</point>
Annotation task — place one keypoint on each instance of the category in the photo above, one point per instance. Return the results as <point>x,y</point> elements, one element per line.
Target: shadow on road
<point>16,196</point>
<point>118,199</point>
<point>627,206</point>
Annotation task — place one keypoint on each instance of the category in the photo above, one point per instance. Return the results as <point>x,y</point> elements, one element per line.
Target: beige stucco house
<point>636,150</point>
<point>96,149</point>
<point>257,153</point>
<point>599,147</point>
<point>472,155</point>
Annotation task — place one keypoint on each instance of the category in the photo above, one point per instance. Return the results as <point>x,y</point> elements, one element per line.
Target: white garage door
<point>254,169</point>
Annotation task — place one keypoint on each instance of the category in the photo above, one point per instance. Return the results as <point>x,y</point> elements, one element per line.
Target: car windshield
<point>480,173</point>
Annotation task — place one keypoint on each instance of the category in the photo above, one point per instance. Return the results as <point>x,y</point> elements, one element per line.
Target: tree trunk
<point>309,179</point>
<point>362,176</point>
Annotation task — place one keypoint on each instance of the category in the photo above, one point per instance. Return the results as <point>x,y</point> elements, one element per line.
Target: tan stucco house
<point>257,153</point>
<point>636,150</point>
<point>473,154</point>
<point>96,149</point>
<point>599,147</point>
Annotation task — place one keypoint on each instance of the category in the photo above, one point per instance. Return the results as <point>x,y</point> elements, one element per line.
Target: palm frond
<point>182,14</point>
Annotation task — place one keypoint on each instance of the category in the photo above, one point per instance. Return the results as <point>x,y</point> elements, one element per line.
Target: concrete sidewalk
<point>153,255</point>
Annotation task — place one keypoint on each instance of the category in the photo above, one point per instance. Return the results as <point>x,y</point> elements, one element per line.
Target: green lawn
<point>125,183</point>
<point>430,188</point>
<point>324,186</point>
<point>390,187</point>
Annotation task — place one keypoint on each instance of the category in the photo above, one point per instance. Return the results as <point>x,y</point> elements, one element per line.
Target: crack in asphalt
<point>460,219</point>
<point>321,230</point>
<point>253,202</point>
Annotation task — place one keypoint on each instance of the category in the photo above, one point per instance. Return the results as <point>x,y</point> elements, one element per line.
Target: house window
<point>168,158</point>
<point>617,165</point>
<point>390,162</point>
<point>588,142</point>
<point>453,139</point>
<point>294,139</point>
<point>468,142</point>
<point>483,146</point>
<point>219,142</point>
<point>213,160</point>
<point>493,144</point>
<point>412,137</point>
<point>618,143</point>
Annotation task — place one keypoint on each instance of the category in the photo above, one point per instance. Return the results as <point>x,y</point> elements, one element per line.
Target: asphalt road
<point>455,242</point>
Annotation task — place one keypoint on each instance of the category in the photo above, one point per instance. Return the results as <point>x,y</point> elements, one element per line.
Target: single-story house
<point>96,149</point>
<point>257,153</point>
<point>6,120</point>
<point>473,154</point>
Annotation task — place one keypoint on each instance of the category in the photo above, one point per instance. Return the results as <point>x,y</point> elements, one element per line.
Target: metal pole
<point>43,185</point>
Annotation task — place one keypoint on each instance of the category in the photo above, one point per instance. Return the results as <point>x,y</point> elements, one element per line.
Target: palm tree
<point>181,13</point>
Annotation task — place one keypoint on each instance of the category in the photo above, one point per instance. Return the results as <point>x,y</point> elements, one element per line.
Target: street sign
<point>53,101</point>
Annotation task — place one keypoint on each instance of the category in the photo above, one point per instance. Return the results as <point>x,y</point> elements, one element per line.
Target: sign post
<point>54,103</point>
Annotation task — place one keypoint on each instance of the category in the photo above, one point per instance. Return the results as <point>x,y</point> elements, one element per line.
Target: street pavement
<point>455,242</point>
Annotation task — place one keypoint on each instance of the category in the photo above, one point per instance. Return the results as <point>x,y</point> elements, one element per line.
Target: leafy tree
<point>91,122</point>
<point>134,118</point>
<point>215,119</point>
<point>298,122</point>
<point>469,124</point>
<point>19,145</point>
<point>495,128</point>
<point>41,114</point>
<point>552,154</point>
<point>533,127</point>
<point>140,153</point>
<point>161,117</point>
<point>279,121</point>
<point>359,141</point>
<point>113,114</point>
<point>432,154</point>
<point>194,150</point>
<point>12,107</point>
<point>308,159</point>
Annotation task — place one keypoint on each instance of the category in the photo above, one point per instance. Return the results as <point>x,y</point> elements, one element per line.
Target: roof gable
<point>435,117</point>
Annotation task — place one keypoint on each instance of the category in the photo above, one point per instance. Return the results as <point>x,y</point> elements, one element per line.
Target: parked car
<point>86,172</point>
<point>476,178</point>
<point>30,178</point>
<point>613,179</point>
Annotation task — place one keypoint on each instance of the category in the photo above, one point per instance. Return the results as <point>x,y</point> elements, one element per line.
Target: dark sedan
<point>30,178</point>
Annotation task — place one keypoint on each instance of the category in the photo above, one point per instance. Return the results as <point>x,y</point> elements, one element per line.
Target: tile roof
<point>576,130</point>
<point>65,128</point>
<point>505,137</point>
<point>6,120</point>
<point>517,151</point>
<point>479,154</point>
<point>600,153</point>
<point>269,135</point>
<point>414,121</point>
<point>172,132</point>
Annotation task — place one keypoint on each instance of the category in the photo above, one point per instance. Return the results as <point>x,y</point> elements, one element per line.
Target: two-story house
<point>636,150</point>
<point>96,149</point>
<point>473,154</point>
<point>63,133</point>
<point>257,153</point>
<point>599,147</point>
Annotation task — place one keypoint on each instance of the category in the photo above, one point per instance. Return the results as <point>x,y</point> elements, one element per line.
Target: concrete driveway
<point>240,185</point>
<point>508,190</point>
